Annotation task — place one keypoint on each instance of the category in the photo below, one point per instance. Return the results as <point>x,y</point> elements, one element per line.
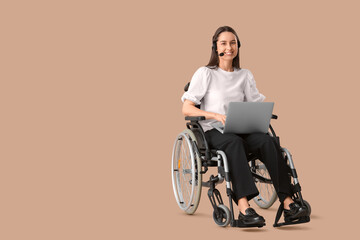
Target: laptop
<point>246,117</point>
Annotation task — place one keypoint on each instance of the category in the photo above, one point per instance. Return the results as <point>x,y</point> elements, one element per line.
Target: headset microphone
<point>221,54</point>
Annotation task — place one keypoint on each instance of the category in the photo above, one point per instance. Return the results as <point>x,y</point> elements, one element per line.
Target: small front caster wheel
<point>223,218</point>
<point>306,204</point>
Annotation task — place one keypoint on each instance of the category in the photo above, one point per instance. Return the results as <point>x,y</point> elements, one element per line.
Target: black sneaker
<point>296,211</point>
<point>251,218</point>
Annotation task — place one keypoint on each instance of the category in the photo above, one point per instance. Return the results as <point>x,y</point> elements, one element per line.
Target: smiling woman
<point>226,44</point>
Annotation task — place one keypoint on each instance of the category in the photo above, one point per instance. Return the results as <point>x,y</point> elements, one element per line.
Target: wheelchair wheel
<point>306,204</point>
<point>224,217</point>
<point>186,176</point>
<point>267,194</point>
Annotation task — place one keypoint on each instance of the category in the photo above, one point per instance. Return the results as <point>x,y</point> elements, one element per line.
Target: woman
<point>216,85</point>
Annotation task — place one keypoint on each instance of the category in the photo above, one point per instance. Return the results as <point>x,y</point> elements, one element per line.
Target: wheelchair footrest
<point>240,224</point>
<point>304,219</point>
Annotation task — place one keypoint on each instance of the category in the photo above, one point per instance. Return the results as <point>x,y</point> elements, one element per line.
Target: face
<point>227,44</point>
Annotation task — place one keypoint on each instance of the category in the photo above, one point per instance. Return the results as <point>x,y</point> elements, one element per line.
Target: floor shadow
<point>202,215</point>
<point>254,229</point>
<point>196,215</point>
<point>294,227</point>
<point>315,216</point>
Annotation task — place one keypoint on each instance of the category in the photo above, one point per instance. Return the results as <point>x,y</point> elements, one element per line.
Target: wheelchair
<point>192,158</point>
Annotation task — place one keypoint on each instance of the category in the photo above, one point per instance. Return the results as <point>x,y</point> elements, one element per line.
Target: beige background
<point>90,108</point>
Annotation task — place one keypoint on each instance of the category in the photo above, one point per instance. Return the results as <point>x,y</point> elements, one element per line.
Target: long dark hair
<point>214,58</point>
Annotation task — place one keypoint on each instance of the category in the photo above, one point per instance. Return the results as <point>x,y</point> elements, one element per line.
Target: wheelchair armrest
<point>195,119</point>
<point>274,116</point>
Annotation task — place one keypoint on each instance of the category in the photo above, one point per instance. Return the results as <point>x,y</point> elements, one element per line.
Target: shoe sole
<point>255,222</point>
<point>241,224</point>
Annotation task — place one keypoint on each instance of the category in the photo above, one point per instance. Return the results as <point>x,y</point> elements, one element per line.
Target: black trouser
<point>236,146</point>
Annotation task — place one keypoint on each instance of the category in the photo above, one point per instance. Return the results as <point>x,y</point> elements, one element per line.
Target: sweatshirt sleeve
<point>198,86</point>
<point>251,92</point>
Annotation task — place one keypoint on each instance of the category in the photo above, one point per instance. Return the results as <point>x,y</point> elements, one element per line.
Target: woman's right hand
<point>189,109</point>
<point>220,117</point>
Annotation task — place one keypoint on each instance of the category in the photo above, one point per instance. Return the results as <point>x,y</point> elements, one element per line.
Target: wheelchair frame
<point>217,158</point>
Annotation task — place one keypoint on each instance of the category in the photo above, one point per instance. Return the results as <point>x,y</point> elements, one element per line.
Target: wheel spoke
<point>185,185</point>
<point>266,190</point>
<point>185,170</point>
<point>186,182</point>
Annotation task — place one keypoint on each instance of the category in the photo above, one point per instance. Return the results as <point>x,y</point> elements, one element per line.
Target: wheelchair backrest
<point>186,88</point>
<point>197,131</point>
<point>199,139</point>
